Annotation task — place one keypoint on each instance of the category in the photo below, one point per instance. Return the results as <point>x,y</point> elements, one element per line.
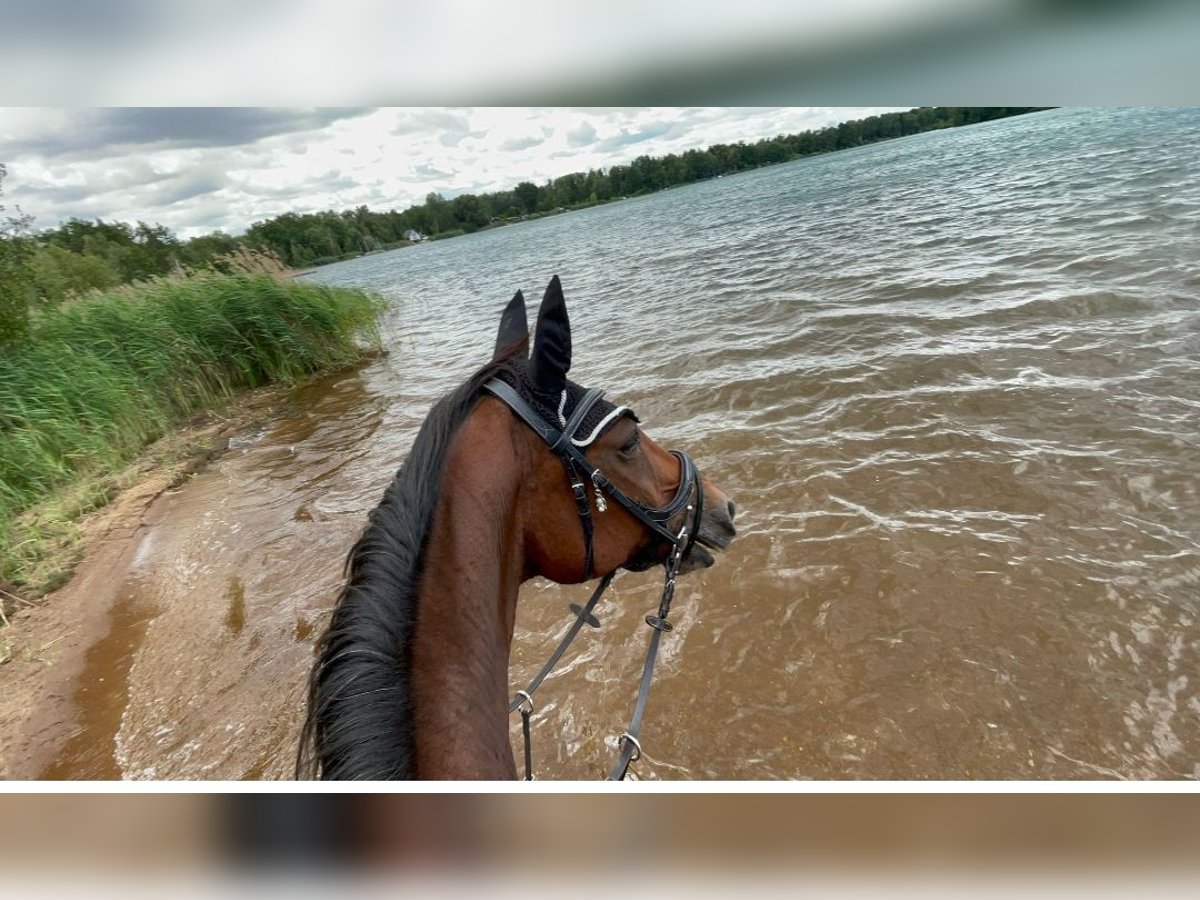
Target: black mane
<point>359,723</point>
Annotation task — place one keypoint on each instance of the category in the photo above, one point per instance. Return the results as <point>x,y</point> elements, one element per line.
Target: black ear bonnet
<point>541,378</point>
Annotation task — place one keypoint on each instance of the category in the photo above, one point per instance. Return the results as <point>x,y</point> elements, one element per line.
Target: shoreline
<point>150,360</point>
<point>45,639</point>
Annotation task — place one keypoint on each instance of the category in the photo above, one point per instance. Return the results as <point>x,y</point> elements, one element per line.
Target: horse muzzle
<point>716,530</point>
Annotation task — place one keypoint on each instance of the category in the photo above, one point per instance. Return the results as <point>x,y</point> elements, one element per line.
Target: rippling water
<point>952,382</point>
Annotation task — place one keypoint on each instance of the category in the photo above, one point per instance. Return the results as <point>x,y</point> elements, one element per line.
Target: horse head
<point>616,459</point>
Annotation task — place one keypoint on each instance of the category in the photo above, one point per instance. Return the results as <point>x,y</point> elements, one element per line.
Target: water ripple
<point>952,382</point>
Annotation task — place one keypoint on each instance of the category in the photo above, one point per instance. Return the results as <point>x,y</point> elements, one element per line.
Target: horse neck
<point>466,611</point>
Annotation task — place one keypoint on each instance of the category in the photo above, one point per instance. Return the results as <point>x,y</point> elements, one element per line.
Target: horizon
<point>198,171</point>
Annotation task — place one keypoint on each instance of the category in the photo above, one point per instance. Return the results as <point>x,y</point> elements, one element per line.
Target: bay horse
<point>411,676</point>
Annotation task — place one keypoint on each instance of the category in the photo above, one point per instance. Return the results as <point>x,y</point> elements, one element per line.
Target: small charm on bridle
<point>601,503</point>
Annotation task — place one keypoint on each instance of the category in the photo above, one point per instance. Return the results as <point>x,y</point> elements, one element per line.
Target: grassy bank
<point>98,380</point>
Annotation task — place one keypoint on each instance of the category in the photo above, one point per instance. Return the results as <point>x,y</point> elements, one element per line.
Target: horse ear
<point>514,328</point>
<point>551,357</point>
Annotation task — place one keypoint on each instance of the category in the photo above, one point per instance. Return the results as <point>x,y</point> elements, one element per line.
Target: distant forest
<point>82,255</point>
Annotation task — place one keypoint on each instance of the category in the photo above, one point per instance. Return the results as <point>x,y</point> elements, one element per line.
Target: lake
<point>952,382</point>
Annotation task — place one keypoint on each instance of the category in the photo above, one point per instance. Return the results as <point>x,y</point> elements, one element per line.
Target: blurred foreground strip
<point>429,835</point>
<point>891,52</point>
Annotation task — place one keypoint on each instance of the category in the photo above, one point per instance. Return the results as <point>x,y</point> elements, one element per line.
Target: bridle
<point>578,466</point>
<point>657,520</point>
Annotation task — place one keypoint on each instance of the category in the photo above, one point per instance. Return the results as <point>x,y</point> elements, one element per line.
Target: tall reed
<point>98,379</point>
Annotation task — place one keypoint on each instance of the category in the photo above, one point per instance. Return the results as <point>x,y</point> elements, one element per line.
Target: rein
<point>576,464</point>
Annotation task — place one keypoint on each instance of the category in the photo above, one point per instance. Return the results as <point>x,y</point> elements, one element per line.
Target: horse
<point>410,678</point>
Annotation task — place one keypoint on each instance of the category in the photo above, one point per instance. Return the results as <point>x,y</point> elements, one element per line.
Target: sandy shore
<point>46,642</point>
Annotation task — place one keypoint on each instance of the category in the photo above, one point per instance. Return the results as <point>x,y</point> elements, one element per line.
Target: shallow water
<point>951,382</point>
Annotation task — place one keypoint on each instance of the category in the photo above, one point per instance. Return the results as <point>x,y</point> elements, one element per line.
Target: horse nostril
<point>732,509</point>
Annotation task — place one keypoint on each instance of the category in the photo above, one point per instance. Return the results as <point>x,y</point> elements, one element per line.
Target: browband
<point>581,410</point>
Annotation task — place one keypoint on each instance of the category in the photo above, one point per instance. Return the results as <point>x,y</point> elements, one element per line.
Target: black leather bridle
<point>578,467</point>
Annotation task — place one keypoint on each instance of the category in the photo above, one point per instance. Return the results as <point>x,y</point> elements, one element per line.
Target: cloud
<point>427,172</point>
<point>93,133</point>
<point>418,121</point>
<point>452,126</point>
<point>327,182</point>
<point>56,194</point>
<point>210,213</point>
<point>582,135</point>
<point>137,184</point>
<point>187,187</point>
<point>645,133</point>
<point>520,143</point>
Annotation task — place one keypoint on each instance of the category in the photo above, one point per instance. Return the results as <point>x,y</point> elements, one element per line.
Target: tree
<point>526,195</point>
<point>57,273</point>
<point>159,249</point>
<point>569,190</point>
<point>700,164</point>
<point>440,216</point>
<point>15,281</point>
<point>675,169</point>
<point>469,212</point>
<point>647,173</point>
<point>208,248</point>
<point>599,186</point>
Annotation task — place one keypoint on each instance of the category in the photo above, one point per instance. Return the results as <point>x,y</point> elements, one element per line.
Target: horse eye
<point>632,444</point>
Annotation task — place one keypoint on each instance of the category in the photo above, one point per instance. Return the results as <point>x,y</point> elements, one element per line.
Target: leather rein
<point>578,467</point>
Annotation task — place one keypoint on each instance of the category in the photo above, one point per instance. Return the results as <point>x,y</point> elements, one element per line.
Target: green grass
<point>99,379</point>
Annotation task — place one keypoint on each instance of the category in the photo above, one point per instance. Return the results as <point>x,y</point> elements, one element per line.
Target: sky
<point>197,170</point>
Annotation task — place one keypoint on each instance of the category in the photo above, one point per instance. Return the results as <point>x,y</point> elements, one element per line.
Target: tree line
<point>78,256</point>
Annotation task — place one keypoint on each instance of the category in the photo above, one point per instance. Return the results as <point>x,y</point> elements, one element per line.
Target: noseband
<point>578,466</point>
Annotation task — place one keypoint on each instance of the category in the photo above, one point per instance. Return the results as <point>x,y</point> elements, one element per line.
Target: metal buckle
<point>637,748</point>
<point>680,543</point>
<point>659,624</point>
<point>527,701</point>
